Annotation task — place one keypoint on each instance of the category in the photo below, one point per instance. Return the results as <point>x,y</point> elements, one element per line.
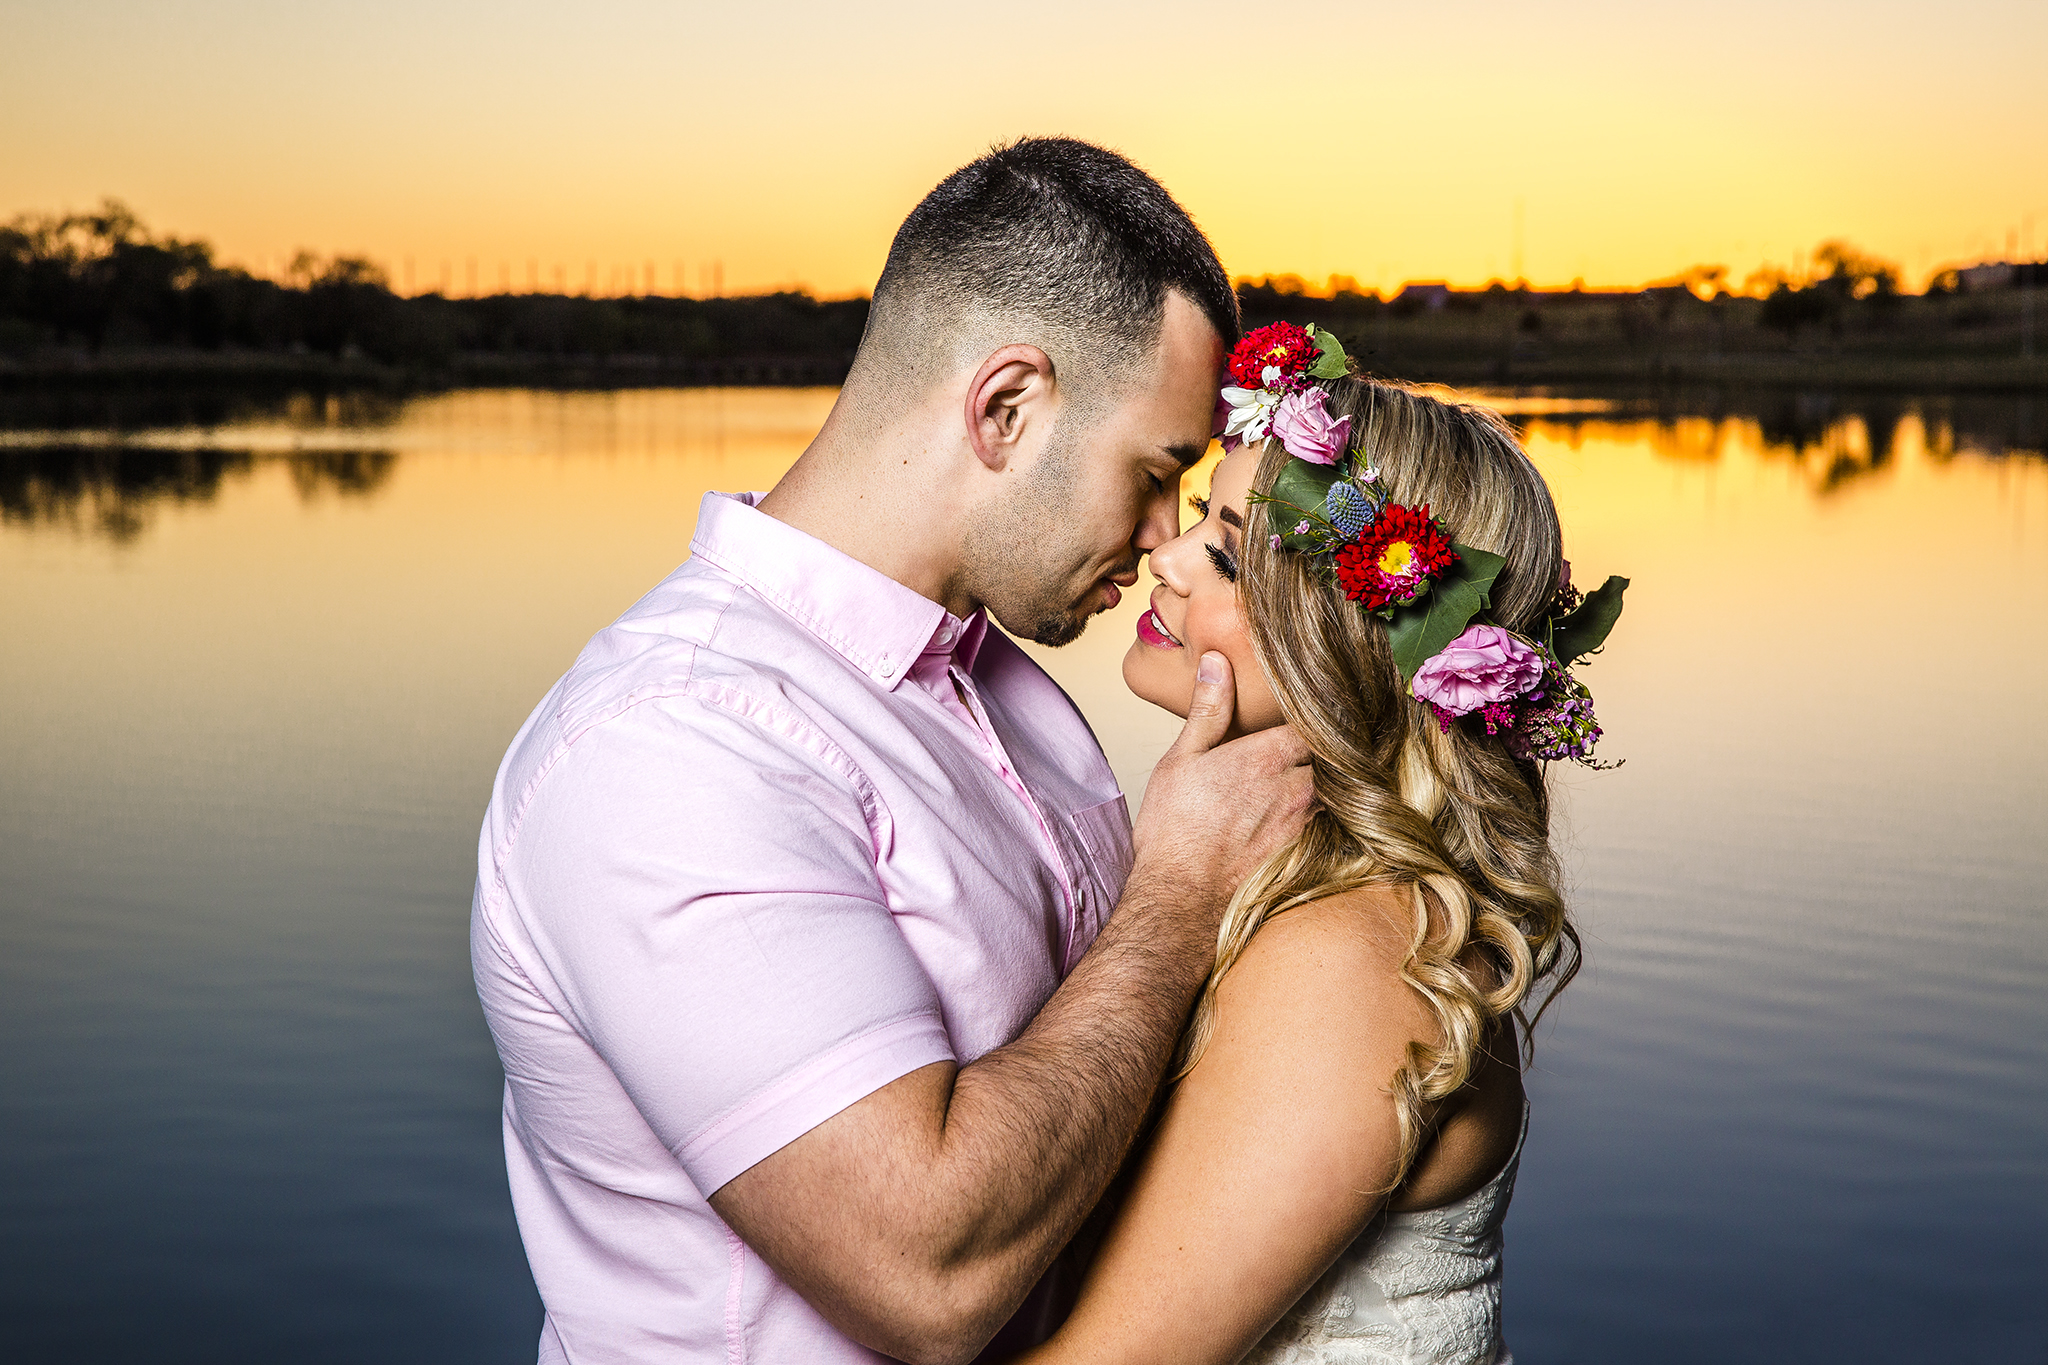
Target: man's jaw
<point>1103,594</point>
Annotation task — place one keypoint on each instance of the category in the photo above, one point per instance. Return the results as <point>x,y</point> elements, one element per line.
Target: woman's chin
<point>1142,676</point>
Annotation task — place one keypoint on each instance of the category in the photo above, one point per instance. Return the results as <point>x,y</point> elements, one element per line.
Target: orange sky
<point>787,141</point>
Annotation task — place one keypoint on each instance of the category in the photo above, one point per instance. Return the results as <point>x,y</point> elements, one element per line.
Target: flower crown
<point>1400,563</point>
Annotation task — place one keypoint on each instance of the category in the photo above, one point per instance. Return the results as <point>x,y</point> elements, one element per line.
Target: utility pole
<point>2028,269</point>
<point>1519,276</point>
<point>2027,309</point>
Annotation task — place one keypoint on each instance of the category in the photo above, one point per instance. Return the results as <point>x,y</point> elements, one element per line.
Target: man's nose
<point>1162,521</point>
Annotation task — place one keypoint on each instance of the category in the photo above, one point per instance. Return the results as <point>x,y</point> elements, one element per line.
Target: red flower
<point>1394,557</point>
<point>1281,344</point>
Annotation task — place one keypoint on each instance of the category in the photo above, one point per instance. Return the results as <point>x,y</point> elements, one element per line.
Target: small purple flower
<point>1561,723</point>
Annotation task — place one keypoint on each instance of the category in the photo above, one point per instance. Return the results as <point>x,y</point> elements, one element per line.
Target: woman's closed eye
<point>1220,557</point>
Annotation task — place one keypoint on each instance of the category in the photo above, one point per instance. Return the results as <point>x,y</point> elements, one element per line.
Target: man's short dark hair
<point>1059,230</point>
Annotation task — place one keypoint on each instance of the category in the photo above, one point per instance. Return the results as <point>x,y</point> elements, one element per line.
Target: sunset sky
<point>785,142</point>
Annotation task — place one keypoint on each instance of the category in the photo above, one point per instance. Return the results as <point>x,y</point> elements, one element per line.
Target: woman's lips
<point>1153,631</point>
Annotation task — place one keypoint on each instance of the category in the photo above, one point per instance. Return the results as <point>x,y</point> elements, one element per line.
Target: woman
<point>1329,1175</point>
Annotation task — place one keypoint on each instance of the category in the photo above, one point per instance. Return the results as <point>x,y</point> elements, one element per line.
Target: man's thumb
<point>1210,709</point>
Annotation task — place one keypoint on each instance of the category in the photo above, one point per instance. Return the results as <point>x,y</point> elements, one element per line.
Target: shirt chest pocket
<point>1105,833</point>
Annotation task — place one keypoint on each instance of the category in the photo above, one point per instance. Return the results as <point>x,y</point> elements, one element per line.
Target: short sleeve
<point>699,887</point>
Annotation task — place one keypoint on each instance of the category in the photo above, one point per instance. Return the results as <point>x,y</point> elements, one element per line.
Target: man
<point>793,918</point>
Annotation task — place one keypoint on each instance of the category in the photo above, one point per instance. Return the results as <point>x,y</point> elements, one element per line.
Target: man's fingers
<point>1275,749</point>
<point>1211,708</point>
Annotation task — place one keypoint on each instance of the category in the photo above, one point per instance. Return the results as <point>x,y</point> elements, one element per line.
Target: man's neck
<point>877,499</point>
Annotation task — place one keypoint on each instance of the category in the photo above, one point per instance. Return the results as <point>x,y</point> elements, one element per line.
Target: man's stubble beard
<point>1011,552</point>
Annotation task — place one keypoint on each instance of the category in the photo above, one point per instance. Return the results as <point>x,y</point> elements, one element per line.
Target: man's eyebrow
<point>1230,517</point>
<point>1187,453</point>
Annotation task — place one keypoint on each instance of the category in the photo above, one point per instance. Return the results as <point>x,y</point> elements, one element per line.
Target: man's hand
<point>917,1219</point>
<point>1216,809</point>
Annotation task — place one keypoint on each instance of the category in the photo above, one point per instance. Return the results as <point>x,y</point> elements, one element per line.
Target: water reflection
<point>146,408</point>
<point>115,490</point>
<point>1834,439</point>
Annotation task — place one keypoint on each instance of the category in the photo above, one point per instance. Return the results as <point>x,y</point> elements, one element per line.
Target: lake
<point>262,658</point>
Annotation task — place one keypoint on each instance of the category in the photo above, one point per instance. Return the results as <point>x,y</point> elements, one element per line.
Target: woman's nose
<point>1169,563</point>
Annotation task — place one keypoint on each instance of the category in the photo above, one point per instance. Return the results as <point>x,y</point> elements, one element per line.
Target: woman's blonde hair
<point>1451,816</point>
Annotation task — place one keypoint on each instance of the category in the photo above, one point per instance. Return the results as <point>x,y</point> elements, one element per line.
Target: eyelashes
<point>1220,559</point>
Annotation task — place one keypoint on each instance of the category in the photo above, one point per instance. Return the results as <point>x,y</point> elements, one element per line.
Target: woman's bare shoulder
<point>1333,966</point>
<point>1319,1001</point>
<point>1364,931</point>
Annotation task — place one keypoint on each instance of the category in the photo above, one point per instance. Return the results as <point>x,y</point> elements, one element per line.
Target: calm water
<point>260,664</point>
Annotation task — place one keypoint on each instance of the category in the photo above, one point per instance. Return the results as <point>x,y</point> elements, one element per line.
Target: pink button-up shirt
<point>785,832</point>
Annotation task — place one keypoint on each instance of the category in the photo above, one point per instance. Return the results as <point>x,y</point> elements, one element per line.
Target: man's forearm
<point>1036,1129</point>
<point>945,1196</point>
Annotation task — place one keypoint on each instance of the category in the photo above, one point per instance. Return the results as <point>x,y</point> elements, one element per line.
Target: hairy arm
<point>917,1219</point>
<point>1272,1153</point>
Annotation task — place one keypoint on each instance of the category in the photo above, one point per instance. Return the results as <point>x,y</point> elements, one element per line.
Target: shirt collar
<point>960,638</point>
<point>877,624</point>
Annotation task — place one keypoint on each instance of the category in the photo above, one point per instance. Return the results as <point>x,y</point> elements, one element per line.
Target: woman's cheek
<point>1215,623</point>
<point>1218,624</point>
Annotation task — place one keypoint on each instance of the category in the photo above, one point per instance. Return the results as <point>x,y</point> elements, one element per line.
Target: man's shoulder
<point>718,750</point>
<point>699,634</point>
<point>696,675</point>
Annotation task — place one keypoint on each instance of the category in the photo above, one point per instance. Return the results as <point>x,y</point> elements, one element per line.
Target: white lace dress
<point>1414,1289</point>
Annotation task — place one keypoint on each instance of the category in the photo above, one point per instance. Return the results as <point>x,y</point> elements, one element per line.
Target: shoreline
<point>1602,367</point>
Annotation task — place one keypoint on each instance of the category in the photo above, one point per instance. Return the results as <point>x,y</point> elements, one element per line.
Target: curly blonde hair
<point>1450,816</point>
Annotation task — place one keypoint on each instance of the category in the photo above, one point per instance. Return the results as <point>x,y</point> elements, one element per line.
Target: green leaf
<point>1584,629</point>
<point>1330,360</point>
<point>1422,630</point>
<point>1298,491</point>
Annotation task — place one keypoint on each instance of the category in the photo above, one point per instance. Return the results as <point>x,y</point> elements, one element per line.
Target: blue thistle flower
<point>1348,508</point>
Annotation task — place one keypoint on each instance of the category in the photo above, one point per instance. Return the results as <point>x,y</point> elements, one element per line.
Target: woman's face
<point>1195,608</point>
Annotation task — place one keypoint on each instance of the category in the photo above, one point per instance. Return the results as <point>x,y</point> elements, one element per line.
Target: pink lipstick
<point>1153,632</point>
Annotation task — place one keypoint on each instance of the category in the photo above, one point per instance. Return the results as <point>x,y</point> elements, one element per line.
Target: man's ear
<point>1012,389</point>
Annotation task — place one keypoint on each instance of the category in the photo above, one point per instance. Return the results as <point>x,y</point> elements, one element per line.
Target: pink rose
<point>1304,426</point>
<point>1483,667</point>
